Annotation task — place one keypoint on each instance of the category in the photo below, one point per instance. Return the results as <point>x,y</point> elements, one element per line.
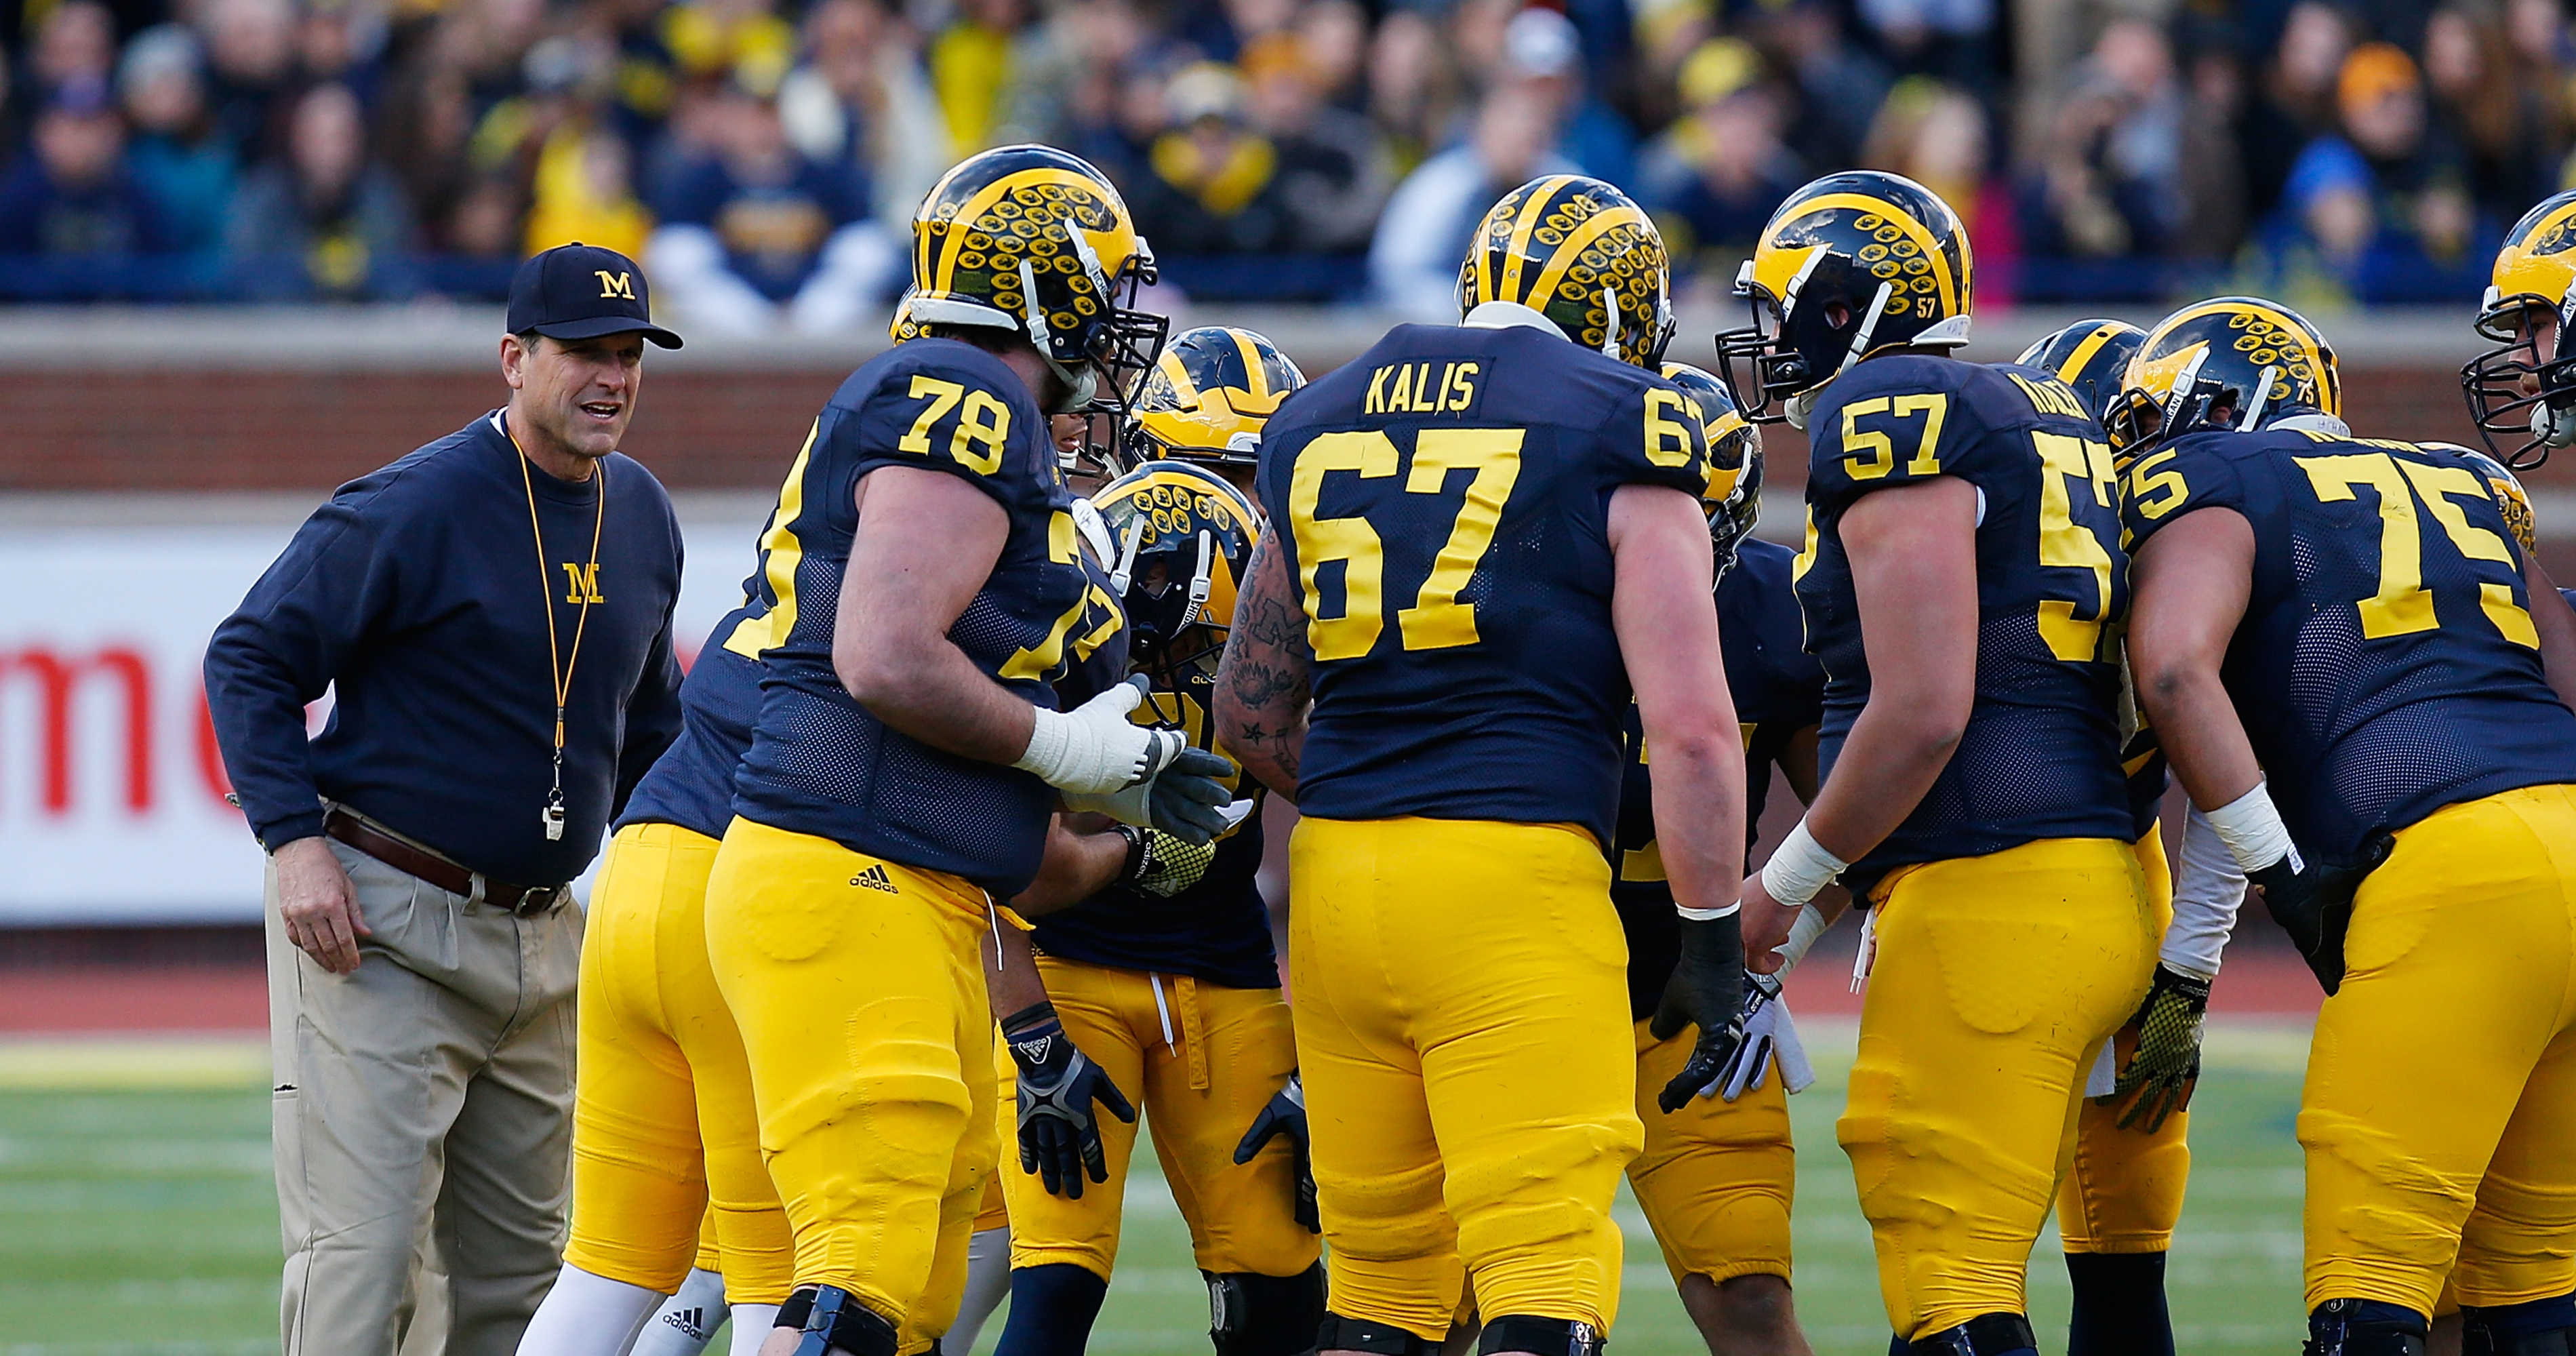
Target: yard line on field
<point>131,1064</point>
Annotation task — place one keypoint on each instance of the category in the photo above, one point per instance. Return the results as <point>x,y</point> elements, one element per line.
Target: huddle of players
<point>786,1029</point>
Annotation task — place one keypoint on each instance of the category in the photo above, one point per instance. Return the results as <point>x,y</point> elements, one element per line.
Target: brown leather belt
<point>526,901</point>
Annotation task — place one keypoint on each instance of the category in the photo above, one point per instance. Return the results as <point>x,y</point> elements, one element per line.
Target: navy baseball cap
<point>580,291</point>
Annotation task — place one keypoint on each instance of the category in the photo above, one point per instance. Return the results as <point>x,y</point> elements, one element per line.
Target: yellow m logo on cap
<point>616,284</point>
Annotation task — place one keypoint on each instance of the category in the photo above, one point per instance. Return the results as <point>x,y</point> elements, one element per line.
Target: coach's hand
<point>2165,1065</point>
<point>1706,990</point>
<point>1059,1134</point>
<point>1286,1115</point>
<point>2315,905</point>
<point>318,904</point>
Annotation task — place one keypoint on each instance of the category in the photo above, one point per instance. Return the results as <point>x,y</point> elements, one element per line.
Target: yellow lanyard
<point>552,816</point>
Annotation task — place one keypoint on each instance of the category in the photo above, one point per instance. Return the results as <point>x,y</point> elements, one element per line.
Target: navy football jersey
<point>819,763</point>
<point>2041,755</point>
<point>1779,690</point>
<point>1441,504</point>
<point>1217,930</point>
<point>2386,666</point>
<point>691,784</point>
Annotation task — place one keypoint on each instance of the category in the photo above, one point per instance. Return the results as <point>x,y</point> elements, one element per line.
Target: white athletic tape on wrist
<point>2208,890</point>
<point>1707,915</point>
<point>1075,750</point>
<point>2253,831</point>
<point>1799,867</point>
<point>1803,933</point>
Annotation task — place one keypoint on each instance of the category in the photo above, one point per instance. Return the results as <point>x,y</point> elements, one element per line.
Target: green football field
<point>137,1216</point>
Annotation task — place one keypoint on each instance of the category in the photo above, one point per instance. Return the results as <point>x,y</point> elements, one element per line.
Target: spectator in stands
<point>72,196</point>
<point>250,51</point>
<point>1333,173</point>
<point>426,122</point>
<point>973,62</point>
<point>2544,58</point>
<point>862,96</point>
<point>2481,106</point>
<point>2386,202</point>
<point>1838,85</point>
<point>1414,89</point>
<point>75,45</point>
<point>1413,262</point>
<point>1946,38</point>
<point>175,154</point>
<point>324,221</point>
<point>757,234</point>
<point>2214,218</point>
<point>1543,56</point>
<point>1935,134</point>
<point>712,39</point>
<point>2109,180</point>
<point>1212,185</point>
<point>2296,101</point>
<point>585,193</point>
<point>1334,36</point>
<point>1715,176</point>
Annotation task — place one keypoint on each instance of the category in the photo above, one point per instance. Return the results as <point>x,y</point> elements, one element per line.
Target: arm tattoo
<point>1264,682</point>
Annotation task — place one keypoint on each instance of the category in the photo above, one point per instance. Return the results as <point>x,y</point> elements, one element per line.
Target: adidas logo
<point>692,1323</point>
<point>875,878</point>
<point>1035,1052</point>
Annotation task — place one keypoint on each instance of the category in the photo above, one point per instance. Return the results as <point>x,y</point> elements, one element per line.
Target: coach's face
<point>578,393</point>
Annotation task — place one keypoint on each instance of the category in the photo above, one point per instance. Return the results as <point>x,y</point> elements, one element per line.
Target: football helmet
<point>2534,274</point>
<point>1207,398</point>
<point>2511,499</point>
<point>1582,255</point>
<point>1033,239</point>
<point>2090,356</point>
<point>1182,539</point>
<point>1851,264</point>
<point>2258,361</point>
<point>1733,500</point>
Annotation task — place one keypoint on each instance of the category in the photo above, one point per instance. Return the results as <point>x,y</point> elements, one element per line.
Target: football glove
<point>1769,1033</point>
<point>1286,1115</point>
<point>1706,990</point>
<point>2164,1065</point>
<point>1164,864</point>
<point>1094,749</point>
<point>1184,797</point>
<point>1059,1132</point>
<point>2315,905</point>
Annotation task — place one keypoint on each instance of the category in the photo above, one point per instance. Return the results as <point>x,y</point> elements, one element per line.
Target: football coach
<point>494,611</point>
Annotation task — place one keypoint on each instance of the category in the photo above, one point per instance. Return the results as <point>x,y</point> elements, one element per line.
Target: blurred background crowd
<point>763,157</point>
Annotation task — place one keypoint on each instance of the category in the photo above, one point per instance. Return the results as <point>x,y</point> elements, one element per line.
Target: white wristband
<point>2253,831</point>
<point>1803,933</point>
<point>1707,915</point>
<point>1050,741</point>
<point>1799,867</point>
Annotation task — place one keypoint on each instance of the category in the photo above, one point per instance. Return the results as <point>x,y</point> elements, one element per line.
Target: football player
<point>1166,975</point>
<point>1716,1177</point>
<point>925,592</point>
<point>2346,654</point>
<point>1479,536</point>
<point>1962,585</point>
<point>2123,1189</point>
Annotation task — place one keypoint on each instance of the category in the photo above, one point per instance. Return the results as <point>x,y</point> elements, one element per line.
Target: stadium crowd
<point>762,158</point>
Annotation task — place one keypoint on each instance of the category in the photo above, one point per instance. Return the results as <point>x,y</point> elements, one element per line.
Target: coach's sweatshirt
<point>416,593</point>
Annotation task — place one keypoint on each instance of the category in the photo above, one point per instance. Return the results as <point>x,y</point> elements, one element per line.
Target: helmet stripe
<point>1533,208</point>
<point>1564,255</point>
<point>1185,392</point>
<point>989,194</point>
<point>1903,220</point>
<point>2327,384</point>
<point>1252,373</point>
<point>2074,364</point>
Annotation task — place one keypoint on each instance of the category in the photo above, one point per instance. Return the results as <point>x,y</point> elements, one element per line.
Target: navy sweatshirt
<point>416,590</point>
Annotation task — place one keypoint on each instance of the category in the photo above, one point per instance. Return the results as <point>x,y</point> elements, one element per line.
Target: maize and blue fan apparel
<point>1441,693</point>
<point>819,763</point>
<point>2040,758</point>
<point>1217,930</point>
<point>1779,690</point>
<point>2370,714</point>
<point>416,594</point>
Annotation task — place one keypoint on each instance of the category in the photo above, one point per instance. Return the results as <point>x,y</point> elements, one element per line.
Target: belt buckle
<point>539,899</point>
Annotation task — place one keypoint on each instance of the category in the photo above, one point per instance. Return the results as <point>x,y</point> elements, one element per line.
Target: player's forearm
<point>2193,578</point>
<point>1699,817</point>
<point>1264,682</point>
<point>927,688</point>
<point>1895,752</point>
<point>2196,722</point>
<point>2556,625</point>
<point>2209,887</point>
<point>1011,980</point>
<point>1078,865</point>
<point>927,543</point>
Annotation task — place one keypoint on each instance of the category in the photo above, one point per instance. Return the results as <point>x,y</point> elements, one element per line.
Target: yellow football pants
<point>855,984</point>
<point>2442,1084</point>
<point>664,1136</point>
<point>1461,1012</point>
<point>1200,1061</point>
<point>1716,1177</point>
<point>1995,979</point>
<point>2123,1188</point>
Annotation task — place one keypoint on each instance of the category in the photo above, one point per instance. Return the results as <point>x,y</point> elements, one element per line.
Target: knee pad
<point>1984,1335</point>
<point>2352,1327</point>
<point>836,1324</point>
<point>1546,1336</point>
<point>1255,1315</point>
<point>1337,1333</point>
<point>2536,1328</point>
